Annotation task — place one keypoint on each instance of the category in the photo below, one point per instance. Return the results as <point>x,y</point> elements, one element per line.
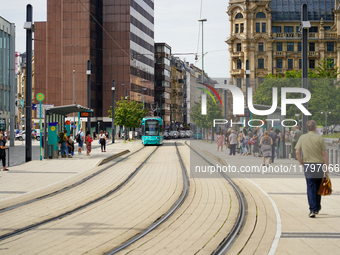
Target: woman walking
<point>3,152</point>
<point>255,145</point>
<point>220,141</point>
<point>88,143</point>
<point>227,134</point>
<point>102,140</point>
<point>266,147</point>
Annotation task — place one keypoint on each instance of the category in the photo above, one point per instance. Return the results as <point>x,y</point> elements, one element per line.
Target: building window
<point>279,46</point>
<point>276,29</point>
<point>290,46</point>
<point>297,29</point>
<point>311,46</point>
<point>238,47</point>
<point>257,27</point>
<point>260,15</point>
<point>289,29</point>
<point>263,27</point>
<point>300,63</point>
<point>312,63</point>
<point>290,63</point>
<point>236,28</point>
<point>330,46</point>
<point>239,16</point>
<point>260,63</point>
<point>313,29</point>
<point>239,64</point>
<point>299,46</point>
<point>279,63</point>
<point>327,28</point>
<point>239,82</point>
<point>242,27</point>
<point>261,46</point>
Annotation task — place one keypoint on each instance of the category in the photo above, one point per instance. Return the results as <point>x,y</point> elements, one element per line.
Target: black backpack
<point>78,138</point>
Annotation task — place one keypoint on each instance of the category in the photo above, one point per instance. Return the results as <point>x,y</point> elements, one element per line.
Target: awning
<point>67,109</point>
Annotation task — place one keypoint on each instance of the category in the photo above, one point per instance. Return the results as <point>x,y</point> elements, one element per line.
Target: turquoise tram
<point>152,131</point>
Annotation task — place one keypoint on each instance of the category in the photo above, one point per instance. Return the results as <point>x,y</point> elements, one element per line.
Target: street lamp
<point>325,112</point>
<point>204,96</point>
<point>113,111</point>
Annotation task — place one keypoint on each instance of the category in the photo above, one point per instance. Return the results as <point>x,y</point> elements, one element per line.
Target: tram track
<point>82,181</point>
<point>78,208</point>
<point>162,218</point>
<point>227,242</point>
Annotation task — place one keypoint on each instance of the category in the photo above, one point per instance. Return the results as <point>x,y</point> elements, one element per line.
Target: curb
<point>107,159</point>
<point>213,156</point>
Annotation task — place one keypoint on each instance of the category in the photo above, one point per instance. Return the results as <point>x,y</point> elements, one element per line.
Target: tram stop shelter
<point>55,123</point>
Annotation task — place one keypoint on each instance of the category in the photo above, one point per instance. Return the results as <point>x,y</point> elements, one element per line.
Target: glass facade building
<point>290,10</point>
<point>6,35</point>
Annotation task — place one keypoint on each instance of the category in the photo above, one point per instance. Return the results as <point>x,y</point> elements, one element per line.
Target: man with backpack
<point>80,140</point>
<point>63,139</point>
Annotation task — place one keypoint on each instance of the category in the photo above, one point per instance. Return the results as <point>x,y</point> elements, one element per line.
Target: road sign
<point>40,97</point>
<point>21,103</point>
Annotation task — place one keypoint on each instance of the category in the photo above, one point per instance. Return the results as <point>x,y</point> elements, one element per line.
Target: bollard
<point>331,156</point>
<point>327,151</point>
<point>337,156</point>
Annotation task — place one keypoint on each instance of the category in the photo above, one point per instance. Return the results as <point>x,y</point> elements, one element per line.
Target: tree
<point>321,83</point>
<point>128,114</point>
<point>206,121</point>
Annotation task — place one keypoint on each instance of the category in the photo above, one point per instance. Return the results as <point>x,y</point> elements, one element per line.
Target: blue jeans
<point>64,149</point>
<point>273,153</point>
<point>314,199</point>
<point>232,149</point>
<point>278,152</point>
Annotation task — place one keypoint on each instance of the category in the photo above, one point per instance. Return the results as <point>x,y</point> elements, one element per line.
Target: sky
<point>176,23</point>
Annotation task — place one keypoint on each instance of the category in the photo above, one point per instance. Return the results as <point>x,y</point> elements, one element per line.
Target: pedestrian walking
<point>273,136</point>
<point>88,141</point>
<point>80,138</point>
<point>232,142</point>
<point>220,140</point>
<point>227,134</point>
<point>295,139</point>
<point>102,140</point>
<point>277,131</point>
<point>255,145</point>
<point>266,147</point>
<point>3,152</point>
<point>313,148</point>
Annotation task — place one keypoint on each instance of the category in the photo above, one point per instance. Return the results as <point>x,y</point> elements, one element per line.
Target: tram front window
<point>151,128</point>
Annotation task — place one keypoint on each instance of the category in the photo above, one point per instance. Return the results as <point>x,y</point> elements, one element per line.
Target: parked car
<point>20,136</point>
<point>174,134</point>
<point>188,133</point>
<point>182,134</point>
<point>166,135</point>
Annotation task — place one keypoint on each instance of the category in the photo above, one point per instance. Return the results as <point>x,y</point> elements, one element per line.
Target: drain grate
<point>309,235</point>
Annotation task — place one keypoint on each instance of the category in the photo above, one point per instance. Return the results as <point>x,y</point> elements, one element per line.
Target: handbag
<point>325,188</point>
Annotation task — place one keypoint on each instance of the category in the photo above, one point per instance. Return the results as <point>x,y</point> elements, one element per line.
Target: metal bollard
<point>327,151</point>
<point>331,156</point>
<point>337,156</point>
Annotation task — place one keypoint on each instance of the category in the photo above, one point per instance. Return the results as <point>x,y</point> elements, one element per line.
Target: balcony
<point>237,72</point>
<point>237,54</point>
<point>280,53</point>
<point>313,54</point>
<point>327,35</point>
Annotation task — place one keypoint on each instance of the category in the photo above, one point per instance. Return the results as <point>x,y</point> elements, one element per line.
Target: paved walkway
<point>282,210</point>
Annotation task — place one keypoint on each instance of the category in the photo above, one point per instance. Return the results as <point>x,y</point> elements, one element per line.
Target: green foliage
<point>128,113</point>
<point>325,93</point>
<point>206,121</point>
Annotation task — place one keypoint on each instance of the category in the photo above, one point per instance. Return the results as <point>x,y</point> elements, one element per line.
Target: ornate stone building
<point>267,34</point>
